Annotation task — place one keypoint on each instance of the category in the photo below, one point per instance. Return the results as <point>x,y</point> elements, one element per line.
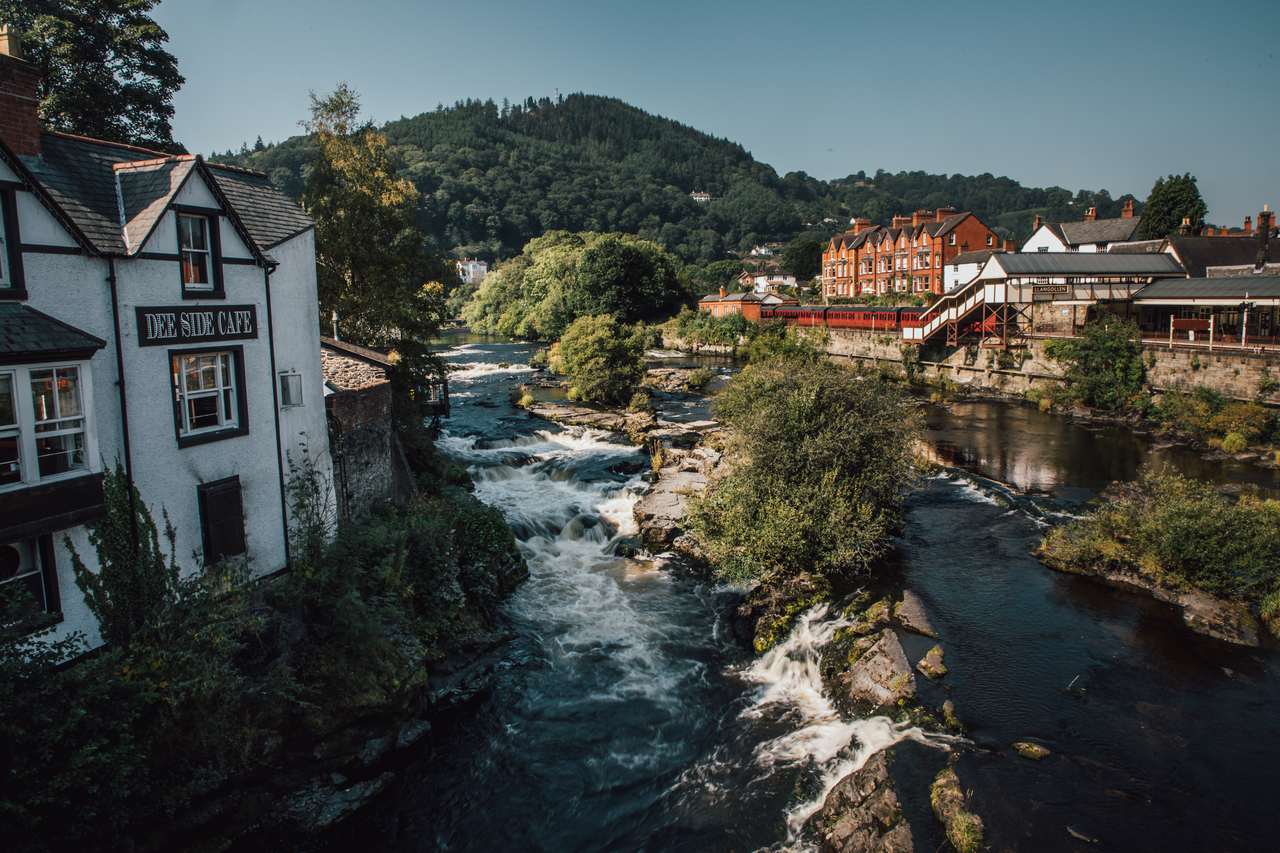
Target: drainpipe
<point>275,411</point>
<point>124,401</point>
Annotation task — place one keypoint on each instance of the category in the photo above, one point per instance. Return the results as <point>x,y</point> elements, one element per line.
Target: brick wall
<point>19,124</point>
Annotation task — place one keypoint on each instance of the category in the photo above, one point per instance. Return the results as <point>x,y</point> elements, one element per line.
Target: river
<point>624,716</point>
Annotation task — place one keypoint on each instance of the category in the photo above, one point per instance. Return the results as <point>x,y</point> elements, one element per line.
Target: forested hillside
<point>494,176</point>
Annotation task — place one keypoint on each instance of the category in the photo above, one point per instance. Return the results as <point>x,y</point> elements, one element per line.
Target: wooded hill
<point>493,176</point>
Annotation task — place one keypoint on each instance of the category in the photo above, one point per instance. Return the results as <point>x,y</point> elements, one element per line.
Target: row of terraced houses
<point>911,255</point>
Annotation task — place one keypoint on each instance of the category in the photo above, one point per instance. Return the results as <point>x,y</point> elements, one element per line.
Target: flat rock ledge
<point>862,814</point>
<point>1221,618</point>
<point>880,677</point>
<point>912,616</point>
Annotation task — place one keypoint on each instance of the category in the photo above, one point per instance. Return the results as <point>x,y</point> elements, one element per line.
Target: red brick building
<point>906,257</point>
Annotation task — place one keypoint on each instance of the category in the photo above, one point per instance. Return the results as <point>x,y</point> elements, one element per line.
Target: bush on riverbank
<point>1180,533</point>
<point>699,328</point>
<point>603,359</point>
<point>1104,363</point>
<point>1205,415</point>
<point>821,458</point>
<point>224,680</point>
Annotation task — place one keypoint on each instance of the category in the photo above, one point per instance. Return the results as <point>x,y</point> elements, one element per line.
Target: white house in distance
<point>472,271</point>
<point>766,281</point>
<point>159,312</point>
<point>1090,235</point>
<point>964,268</point>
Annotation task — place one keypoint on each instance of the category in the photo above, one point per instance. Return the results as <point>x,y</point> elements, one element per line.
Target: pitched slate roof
<point>1137,247</point>
<point>979,257</point>
<point>269,215</point>
<point>1227,287</point>
<point>145,191</point>
<point>1085,263</point>
<point>1117,230</point>
<point>79,176</point>
<point>1199,253</point>
<point>26,333</point>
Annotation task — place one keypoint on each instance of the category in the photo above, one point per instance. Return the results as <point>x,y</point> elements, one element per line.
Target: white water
<point>790,681</point>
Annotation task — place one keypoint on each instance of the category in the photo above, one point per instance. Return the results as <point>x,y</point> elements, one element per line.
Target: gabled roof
<point>1117,230</point>
<point>1137,247</point>
<point>111,195</point>
<point>1085,263</point>
<point>1197,254</point>
<point>947,225</point>
<point>30,335</point>
<point>979,257</point>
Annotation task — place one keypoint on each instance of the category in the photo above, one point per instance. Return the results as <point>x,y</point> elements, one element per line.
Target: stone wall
<point>362,441</point>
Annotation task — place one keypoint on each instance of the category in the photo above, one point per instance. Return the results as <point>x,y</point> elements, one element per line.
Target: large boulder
<point>862,813</point>
<point>879,677</point>
<point>912,616</point>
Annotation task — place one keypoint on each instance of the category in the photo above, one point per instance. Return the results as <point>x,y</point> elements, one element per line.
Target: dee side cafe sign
<point>167,325</point>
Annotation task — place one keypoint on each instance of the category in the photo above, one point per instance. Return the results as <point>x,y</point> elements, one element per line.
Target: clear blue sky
<point>1081,94</point>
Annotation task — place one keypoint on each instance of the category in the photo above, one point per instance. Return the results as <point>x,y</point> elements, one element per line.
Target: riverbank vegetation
<point>820,460</point>
<point>1104,366</point>
<point>602,359</point>
<point>562,276</point>
<point>1180,534</point>
<point>215,693</point>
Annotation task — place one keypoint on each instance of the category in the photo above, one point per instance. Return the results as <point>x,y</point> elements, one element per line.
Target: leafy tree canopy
<point>1104,364</point>
<point>604,359</point>
<point>802,257</point>
<point>104,68</point>
<point>561,276</point>
<point>1172,199</point>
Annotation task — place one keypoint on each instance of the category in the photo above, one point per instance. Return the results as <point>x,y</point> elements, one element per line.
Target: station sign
<point>180,325</point>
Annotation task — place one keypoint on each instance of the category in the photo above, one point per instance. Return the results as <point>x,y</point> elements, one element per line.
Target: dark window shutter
<point>221,519</point>
<point>215,252</point>
<point>13,238</point>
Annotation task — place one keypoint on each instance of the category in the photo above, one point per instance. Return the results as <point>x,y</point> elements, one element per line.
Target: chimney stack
<point>861,224</point>
<point>901,221</point>
<point>1185,228</point>
<point>1036,223</point>
<point>942,213</point>
<point>919,217</point>
<point>723,292</point>
<point>1248,225</point>
<point>1127,212</point>
<point>1265,219</point>
<point>1091,214</point>
<point>19,96</point>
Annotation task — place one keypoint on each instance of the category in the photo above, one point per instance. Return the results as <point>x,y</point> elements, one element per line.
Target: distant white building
<point>472,271</point>
<point>767,281</point>
<point>700,197</point>
<point>761,252</point>
<point>963,268</point>
<point>1091,235</point>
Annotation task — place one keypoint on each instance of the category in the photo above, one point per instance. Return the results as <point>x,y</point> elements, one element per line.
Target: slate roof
<point>1228,287</point>
<point>1137,247</point>
<point>1085,263</point>
<point>26,333</point>
<point>268,215</point>
<point>1199,253</point>
<point>1117,230</point>
<point>731,297</point>
<point>980,257</point>
<point>145,192</point>
<point>79,176</point>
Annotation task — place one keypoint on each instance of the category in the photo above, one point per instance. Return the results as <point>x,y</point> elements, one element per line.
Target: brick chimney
<point>920,216</point>
<point>19,82</point>
<point>1036,223</point>
<point>1010,246</point>
<point>861,224</point>
<point>1248,225</point>
<point>1127,212</point>
<point>1266,219</point>
<point>1185,228</point>
<point>723,292</point>
<point>942,213</point>
<point>1091,214</point>
<point>901,221</point>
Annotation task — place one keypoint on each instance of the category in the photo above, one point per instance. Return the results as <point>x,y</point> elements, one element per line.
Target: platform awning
<point>1226,290</point>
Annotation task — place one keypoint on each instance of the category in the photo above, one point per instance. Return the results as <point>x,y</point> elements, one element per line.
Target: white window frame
<point>206,224</point>
<point>228,408</point>
<point>25,409</point>
<point>290,375</point>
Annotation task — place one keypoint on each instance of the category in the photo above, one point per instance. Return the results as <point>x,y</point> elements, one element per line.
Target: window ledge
<point>211,436</point>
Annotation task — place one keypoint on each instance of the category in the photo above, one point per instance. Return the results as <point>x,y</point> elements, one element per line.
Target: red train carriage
<point>867,317</point>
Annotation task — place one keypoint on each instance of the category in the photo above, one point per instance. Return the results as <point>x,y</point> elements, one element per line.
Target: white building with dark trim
<point>158,312</point>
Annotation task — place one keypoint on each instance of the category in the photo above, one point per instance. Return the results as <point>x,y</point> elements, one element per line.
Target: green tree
<point>1104,364</point>
<point>802,257</point>
<point>136,584</point>
<point>1172,200</point>
<point>374,271</point>
<point>104,68</point>
<point>604,359</point>
<point>821,460</point>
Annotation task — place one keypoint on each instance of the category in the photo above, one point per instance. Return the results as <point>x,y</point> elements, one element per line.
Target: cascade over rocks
<point>862,813</point>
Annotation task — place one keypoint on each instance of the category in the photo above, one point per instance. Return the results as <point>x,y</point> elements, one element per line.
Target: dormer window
<point>195,255</point>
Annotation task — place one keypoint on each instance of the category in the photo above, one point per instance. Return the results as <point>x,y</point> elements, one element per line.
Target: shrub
<point>699,328</point>
<point>603,359</point>
<point>1104,364</point>
<point>1250,421</point>
<point>699,378</point>
<point>1234,442</point>
<point>773,341</point>
<point>640,402</point>
<point>821,459</point>
<point>1180,531</point>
